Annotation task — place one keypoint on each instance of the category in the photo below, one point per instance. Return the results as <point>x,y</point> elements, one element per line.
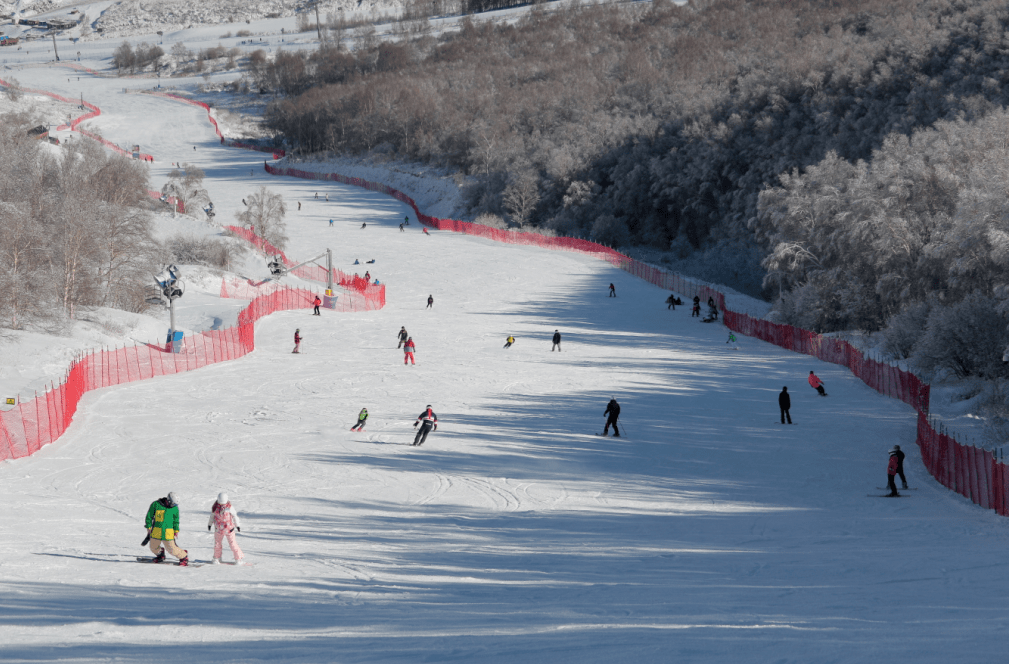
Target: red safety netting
<point>970,471</point>
<point>32,424</point>
<point>276,152</point>
<point>366,296</point>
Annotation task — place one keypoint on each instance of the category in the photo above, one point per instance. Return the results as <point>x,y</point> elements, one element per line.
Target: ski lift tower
<point>172,288</point>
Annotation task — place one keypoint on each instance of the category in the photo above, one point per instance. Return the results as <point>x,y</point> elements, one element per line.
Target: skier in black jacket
<point>403,336</point>
<point>557,341</point>
<point>613,410</point>
<point>900,465</point>
<point>784,403</point>
<point>430,423</point>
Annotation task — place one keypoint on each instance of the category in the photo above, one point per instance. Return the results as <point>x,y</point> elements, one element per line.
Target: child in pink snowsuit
<point>224,519</point>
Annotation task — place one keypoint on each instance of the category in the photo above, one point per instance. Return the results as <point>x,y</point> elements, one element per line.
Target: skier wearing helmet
<point>429,422</point>
<point>224,519</point>
<point>162,525</point>
<point>408,350</point>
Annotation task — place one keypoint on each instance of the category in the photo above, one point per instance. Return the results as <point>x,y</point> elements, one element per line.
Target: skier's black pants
<point>613,421</point>
<point>903,480</point>
<point>890,485</point>
<point>819,390</point>
<point>359,425</point>
<point>317,310</point>
<point>508,344</point>
<point>784,414</point>
<point>425,429</point>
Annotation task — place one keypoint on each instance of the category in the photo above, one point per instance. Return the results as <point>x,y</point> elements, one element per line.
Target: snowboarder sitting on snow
<point>225,518</point>
<point>430,423</point>
<point>900,465</point>
<point>784,403</point>
<point>509,341</point>
<point>403,336</point>
<point>162,525</point>
<point>297,341</point>
<point>613,410</point>
<point>315,303</point>
<point>613,290</point>
<point>557,342</point>
<point>891,470</point>
<point>408,350</point>
<point>361,417</point>
<point>371,261</point>
<point>816,384</point>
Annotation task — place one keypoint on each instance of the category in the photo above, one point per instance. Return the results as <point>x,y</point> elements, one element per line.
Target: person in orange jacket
<point>316,303</point>
<point>816,384</point>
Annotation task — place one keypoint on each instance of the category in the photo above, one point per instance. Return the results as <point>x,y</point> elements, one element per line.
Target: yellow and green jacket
<point>162,520</point>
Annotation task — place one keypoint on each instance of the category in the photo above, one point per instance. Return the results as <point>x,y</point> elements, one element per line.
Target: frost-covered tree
<point>264,214</point>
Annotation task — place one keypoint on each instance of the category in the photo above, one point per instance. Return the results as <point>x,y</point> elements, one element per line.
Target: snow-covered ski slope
<point>709,533</point>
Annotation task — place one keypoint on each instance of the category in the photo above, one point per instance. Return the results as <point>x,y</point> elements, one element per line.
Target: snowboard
<point>149,559</point>
<point>907,488</point>
<point>886,495</point>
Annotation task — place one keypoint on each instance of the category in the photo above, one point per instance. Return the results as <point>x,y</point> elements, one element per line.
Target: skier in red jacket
<point>297,341</point>
<point>891,470</point>
<point>316,303</point>
<point>816,384</point>
<point>408,350</point>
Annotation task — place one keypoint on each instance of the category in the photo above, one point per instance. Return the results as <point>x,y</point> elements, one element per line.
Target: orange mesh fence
<point>970,471</point>
<point>31,424</point>
<point>360,294</point>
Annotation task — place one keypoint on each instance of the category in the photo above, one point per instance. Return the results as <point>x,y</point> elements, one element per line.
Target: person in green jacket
<point>361,417</point>
<point>162,525</point>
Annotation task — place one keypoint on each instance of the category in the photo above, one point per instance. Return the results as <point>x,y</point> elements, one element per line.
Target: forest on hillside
<point>841,158</point>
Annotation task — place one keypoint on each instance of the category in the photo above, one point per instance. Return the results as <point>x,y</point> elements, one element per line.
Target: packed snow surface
<point>708,532</point>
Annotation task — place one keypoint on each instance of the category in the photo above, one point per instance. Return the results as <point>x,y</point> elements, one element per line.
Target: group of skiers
<point>162,523</point>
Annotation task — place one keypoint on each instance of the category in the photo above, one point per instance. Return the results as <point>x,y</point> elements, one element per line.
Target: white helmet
<point>173,499</point>
<point>222,498</point>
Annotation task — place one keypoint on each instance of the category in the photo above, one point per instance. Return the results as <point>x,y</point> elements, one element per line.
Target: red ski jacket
<point>814,382</point>
<point>891,468</point>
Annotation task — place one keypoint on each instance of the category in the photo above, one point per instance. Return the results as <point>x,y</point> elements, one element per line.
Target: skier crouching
<point>224,519</point>
<point>361,419</point>
<point>429,422</point>
<point>891,471</point>
<point>817,384</point>
<point>162,525</point>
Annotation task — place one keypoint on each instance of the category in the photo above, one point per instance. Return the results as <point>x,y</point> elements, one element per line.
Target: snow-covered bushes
<point>202,250</point>
<point>967,339</point>
<point>905,329</point>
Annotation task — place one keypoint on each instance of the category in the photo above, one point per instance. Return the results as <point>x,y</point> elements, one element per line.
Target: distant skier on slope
<point>425,231</point>
<point>316,303</point>
<point>900,465</point>
<point>406,220</point>
<point>509,341</point>
<point>785,403</point>
<point>225,518</point>
<point>162,523</point>
<point>816,384</point>
<point>891,470</point>
<point>613,410</point>
<point>403,336</point>
<point>408,350</point>
<point>430,301</point>
<point>556,342</point>
<point>696,310</point>
<point>361,417</point>
<point>613,291</point>
<point>429,422</point>
<point>297,341</point>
